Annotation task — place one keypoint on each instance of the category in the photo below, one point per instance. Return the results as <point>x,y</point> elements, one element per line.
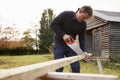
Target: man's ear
<point>80,11</point>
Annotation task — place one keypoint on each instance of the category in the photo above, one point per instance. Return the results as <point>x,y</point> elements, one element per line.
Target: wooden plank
<point>101,58</point>
<point>3,72</point>
<point>100,69</point>
<point>76,76</point>
<point>33,71</point>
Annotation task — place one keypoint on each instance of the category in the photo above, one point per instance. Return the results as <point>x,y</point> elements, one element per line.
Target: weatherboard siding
<point>115,38</point>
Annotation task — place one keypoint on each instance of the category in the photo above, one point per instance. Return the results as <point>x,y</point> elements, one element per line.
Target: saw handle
<point>70,41</point>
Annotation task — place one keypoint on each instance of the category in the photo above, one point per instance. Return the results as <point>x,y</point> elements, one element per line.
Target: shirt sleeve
<point>55,24</point>
<point>82,38</point>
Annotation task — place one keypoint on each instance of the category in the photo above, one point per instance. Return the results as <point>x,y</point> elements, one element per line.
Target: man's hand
<point>87,54</point>
<point>68,38</point>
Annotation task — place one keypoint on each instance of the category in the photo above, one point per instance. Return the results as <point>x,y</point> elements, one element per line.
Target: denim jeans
<point>60,52</point>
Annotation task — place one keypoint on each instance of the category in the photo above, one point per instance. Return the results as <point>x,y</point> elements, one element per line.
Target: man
<point>67,25</point>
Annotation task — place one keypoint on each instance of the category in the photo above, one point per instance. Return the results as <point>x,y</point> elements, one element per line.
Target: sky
<point>23,12</point>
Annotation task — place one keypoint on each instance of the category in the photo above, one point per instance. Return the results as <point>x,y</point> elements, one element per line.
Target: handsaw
<point>75,46</point>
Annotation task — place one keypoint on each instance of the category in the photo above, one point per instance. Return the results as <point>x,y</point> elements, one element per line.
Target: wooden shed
<point>103,34</point>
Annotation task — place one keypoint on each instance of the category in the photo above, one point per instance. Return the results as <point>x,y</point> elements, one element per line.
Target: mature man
<point>67,25</point>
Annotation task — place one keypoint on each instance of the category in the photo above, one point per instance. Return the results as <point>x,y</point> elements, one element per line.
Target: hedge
<point>17,51</point>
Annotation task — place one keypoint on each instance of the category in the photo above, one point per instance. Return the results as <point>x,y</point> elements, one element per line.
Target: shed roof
<point>107,15</point>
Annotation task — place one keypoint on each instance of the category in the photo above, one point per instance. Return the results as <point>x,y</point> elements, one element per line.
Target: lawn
<point>15,61</point>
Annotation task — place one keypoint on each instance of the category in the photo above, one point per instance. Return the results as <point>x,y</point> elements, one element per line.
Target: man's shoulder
<point>85,24</point>
<point>67,13</point>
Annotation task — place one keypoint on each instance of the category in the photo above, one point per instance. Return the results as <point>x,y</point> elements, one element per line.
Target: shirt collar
<point>74,16</point>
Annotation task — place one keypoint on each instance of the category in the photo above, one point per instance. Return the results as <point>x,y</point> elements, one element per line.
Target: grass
<point>15,61</point>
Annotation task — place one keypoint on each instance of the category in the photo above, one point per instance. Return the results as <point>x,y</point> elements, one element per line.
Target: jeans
<point>60,52</point>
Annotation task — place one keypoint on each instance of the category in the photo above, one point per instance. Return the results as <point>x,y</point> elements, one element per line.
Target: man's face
<point>81,16</point>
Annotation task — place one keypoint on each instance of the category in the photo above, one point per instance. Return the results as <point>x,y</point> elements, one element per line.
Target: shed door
<point>97,42</point>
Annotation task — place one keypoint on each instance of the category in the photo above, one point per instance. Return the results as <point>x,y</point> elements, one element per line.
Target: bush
<point>110,65</point>
<point>114,63</point>
<point>17,51</point>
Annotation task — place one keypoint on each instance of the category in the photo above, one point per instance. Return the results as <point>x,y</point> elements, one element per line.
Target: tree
<point>4,43</point>
<point>46,32</point>
<point>10,33</point>
<point>34,32</point>
<point>29,41</point>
